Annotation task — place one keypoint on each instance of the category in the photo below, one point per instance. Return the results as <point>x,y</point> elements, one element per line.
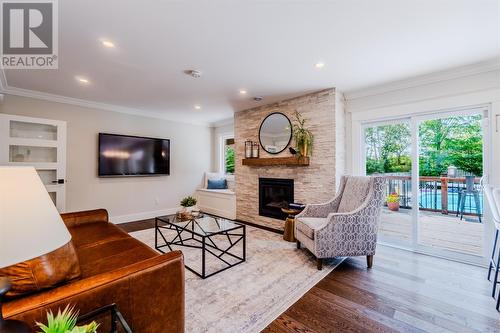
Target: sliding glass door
<point>388,152</point>
<point>450,161</point>
<point>433,165</point>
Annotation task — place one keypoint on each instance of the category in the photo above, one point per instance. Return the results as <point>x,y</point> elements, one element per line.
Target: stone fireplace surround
<point>312,184</point>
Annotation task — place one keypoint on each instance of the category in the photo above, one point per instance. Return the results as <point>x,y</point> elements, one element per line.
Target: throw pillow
<point>212,176</point>
<point>43,272</point>
<point>219,184</point>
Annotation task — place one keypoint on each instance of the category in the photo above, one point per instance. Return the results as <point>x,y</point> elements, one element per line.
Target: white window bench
<point>217,202</point>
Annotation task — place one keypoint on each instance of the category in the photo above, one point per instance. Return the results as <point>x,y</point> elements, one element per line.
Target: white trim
<point>94,105</point>
<point>3,80</point>
<point>142,216</point>
<point>222,154</point>
<point>450,74</point>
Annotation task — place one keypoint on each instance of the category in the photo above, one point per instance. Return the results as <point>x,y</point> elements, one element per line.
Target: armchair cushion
<point>355,192</point>
<point>307,225</point>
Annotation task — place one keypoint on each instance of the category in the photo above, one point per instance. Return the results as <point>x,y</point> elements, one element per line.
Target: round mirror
<point>275,133</point>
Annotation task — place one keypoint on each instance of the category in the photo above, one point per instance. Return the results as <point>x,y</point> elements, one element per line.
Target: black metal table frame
<point>206,247</point>
<point>116,317</point>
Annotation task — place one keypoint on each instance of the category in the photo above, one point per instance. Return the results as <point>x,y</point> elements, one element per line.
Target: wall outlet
<point>157,201</point>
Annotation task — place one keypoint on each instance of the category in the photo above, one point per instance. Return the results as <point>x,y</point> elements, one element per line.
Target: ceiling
<point>268,48</point>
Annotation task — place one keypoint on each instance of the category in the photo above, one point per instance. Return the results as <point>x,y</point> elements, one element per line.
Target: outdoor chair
<point>468,192</point>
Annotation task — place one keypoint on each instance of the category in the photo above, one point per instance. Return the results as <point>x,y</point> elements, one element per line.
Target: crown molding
<point>223,122</point>
<point>422,80</point>
<point>94,105</point>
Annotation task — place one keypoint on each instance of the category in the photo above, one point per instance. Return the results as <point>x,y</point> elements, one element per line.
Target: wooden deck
<point>436,230</point>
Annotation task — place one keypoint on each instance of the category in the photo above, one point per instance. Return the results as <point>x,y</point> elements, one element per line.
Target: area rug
<point>249,296</point>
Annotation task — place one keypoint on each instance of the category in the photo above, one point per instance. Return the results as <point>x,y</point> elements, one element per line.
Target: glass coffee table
<point>222,242</point>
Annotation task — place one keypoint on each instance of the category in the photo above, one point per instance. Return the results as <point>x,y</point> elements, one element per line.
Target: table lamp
<point>30,226</point>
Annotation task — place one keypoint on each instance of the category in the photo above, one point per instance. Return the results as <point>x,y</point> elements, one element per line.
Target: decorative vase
<point>248,149</point>
<point>394,206</point>
<point>304,149</point>
<point>255,150</point>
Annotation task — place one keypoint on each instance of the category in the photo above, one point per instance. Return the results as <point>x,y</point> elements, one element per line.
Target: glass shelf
<point>32,154</point>
<point>20,129</point>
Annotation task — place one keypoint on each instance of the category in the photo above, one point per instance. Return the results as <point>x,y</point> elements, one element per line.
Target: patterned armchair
<point>346,225</point>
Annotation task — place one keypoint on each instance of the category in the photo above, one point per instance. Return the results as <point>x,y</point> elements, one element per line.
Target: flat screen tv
<point>125,155</point>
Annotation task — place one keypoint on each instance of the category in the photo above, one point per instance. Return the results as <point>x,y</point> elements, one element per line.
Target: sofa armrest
<point>84,217</point>
<point>150,295</point>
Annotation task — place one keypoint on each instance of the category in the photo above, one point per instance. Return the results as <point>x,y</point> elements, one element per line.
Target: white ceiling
<point>266,47</point>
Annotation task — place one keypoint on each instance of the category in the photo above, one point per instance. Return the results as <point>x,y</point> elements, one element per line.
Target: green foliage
<point>388,149</point>
<point>443,142</point>
<point>188,201</point>
<point>393,197</point>
<point>454,141</point>
<point>65,322</point>
<point>230,160</point>
<point>303,136</point>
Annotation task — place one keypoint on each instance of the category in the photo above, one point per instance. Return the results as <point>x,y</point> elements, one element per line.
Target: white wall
<point>126,199</point>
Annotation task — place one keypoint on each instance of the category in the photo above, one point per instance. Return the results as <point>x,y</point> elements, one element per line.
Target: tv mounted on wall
<point>126,155</point>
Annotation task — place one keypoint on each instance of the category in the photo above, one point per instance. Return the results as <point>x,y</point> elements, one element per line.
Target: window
<point>228,156</point>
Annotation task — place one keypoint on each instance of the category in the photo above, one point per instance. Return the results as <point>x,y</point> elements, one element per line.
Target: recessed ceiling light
<point>243,92</point>
<point>107,43</point>
<point>197,107</point>
<point>82,79</point>
<point>319,65</point>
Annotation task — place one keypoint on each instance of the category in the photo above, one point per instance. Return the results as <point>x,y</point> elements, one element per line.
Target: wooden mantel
<point>277,161</point>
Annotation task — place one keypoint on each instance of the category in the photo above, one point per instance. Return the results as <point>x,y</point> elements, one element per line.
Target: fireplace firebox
<point>274,194</point>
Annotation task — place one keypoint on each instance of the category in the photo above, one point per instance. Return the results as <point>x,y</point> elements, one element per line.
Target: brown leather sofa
<point>147,287</point>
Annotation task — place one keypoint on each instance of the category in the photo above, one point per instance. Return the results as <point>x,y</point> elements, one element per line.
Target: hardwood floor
<point>403,292</point>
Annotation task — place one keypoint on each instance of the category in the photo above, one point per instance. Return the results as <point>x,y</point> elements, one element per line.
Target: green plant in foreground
<point>65,322</point>
<point>188,202</point>
<point>304,138</point>
<point>393,197</point>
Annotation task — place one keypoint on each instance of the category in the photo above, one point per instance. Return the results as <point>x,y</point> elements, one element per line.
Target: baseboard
<point>142,216</point>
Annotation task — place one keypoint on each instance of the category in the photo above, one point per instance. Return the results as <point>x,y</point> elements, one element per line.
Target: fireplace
<point>274,194</point>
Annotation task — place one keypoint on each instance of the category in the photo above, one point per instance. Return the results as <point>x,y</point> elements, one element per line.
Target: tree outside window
<point>229,156</point>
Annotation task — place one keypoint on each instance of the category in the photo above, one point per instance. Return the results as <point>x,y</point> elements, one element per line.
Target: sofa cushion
<point>355,191</point>
<point>102,257</point>
<point>98,232</point>
<point>43,272</point>
<point>103,247</point>
<point>307,225</point>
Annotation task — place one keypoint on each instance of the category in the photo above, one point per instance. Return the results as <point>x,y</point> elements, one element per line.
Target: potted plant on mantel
<point>303,137</point>
<point>393,202</point>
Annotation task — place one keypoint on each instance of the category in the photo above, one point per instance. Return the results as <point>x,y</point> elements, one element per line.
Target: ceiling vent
<point>193,73</point>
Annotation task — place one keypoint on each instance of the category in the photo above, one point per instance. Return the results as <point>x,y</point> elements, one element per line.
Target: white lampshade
<point>30,224</point>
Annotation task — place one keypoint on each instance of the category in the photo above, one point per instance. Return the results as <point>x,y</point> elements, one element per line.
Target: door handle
<point>59,181</point>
